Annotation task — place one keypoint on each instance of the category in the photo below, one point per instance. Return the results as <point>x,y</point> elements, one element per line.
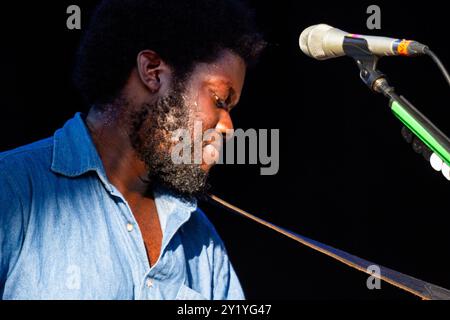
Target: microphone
<point>323,42</point>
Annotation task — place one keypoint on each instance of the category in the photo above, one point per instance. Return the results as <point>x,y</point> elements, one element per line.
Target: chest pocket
<point>186,293</point>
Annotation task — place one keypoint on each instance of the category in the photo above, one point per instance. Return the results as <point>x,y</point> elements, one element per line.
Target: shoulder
<point>21,167</point>
<point>28,159</point>
<point>208,254</point>
<point>201,240</point>
<point>40,149</point>
<point>202,229</point>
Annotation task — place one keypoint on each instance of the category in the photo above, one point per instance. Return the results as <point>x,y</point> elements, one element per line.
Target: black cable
<point>439,64</point>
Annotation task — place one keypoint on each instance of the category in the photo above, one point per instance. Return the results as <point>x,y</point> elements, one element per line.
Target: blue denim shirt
<point>67,233</point>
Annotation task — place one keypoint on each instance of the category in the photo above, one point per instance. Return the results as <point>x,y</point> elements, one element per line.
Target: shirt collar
<point>173,211</point>
<point>74,152</point>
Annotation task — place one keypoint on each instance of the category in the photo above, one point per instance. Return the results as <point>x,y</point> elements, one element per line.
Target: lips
<point>210,154</point>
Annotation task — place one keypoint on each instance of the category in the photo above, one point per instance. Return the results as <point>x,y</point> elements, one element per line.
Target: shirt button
<point>129,227</point>
<point>149,283</point>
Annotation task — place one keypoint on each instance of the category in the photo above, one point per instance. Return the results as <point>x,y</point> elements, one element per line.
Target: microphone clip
<point>358,49</point>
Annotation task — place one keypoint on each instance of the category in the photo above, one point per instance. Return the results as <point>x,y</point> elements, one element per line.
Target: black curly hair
<point>182,32</point>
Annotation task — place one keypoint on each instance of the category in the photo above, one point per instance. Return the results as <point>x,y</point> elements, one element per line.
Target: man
<point>100,210</point>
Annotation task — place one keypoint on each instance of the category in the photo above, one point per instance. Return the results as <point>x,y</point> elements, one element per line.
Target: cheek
<point>207,113</point>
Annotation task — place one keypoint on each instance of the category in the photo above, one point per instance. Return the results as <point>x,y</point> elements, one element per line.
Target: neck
<point>122,166</point>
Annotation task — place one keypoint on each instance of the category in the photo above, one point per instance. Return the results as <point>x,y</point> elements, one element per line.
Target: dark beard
<point>150,132</point>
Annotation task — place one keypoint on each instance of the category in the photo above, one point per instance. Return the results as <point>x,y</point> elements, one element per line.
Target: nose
<point>225,124</point>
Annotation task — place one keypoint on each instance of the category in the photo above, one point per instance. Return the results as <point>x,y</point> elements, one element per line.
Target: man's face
<point>206,97</point>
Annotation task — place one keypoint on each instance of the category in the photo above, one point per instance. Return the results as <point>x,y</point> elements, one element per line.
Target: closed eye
<point>221,103</point>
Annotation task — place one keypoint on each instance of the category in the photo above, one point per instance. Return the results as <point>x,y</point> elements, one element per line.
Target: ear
<point>152,70</point>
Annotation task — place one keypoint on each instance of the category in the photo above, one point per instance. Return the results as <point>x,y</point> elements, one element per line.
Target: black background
<point>346,176</point>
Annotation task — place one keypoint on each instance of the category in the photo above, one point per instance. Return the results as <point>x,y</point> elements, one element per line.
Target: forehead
<point>227,70</point>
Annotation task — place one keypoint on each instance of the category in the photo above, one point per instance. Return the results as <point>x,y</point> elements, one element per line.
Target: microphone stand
<point>421,126</point>
<point>427,132</point>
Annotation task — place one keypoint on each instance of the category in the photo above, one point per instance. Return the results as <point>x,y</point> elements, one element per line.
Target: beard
<point>151,127</point>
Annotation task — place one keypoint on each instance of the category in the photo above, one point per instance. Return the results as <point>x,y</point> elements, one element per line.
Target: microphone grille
<point>311,41</point>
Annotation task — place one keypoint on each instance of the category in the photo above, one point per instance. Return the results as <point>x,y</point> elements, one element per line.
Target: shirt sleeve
<point>11,226</point>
